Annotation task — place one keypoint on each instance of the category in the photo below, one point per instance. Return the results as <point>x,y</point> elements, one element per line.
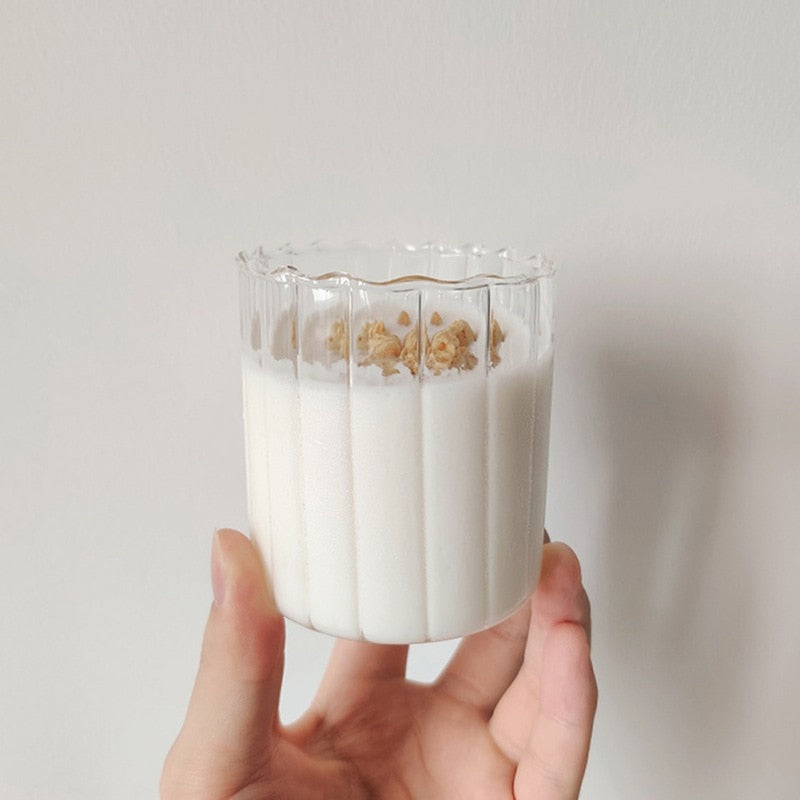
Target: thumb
<point>232,713</point>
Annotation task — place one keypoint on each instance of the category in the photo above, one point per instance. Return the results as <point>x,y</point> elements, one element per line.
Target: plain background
<point>650,149</point>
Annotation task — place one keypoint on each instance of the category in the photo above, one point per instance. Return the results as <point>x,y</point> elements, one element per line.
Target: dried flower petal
<point>449,348</point>
<point>496,338</point>
<point>382,348</point>
<point>410,354</point>
<point>338,340</point>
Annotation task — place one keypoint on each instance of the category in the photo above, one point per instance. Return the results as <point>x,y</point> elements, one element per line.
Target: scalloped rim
<point>275,263</point>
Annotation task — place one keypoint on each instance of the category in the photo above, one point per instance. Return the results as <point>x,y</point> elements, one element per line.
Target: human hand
<point>509,717</point>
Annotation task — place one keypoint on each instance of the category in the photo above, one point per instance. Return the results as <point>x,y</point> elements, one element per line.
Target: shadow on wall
<point>675,591</point>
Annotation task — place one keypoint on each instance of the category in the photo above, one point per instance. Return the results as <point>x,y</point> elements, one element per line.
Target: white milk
<point>398,511</point>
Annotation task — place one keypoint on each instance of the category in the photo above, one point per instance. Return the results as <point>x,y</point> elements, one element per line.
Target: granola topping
<point>449,348</point>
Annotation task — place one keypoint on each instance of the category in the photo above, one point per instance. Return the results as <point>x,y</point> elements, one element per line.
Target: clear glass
<point>397,414</point>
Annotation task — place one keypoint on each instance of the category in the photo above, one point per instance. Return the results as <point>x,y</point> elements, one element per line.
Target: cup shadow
<point>676,591</point>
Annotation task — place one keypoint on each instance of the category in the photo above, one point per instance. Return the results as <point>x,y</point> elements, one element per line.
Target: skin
<point>509,717</point>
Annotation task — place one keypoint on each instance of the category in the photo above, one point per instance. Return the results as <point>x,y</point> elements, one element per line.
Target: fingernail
<point>217,573</point>
<point>546,537</point>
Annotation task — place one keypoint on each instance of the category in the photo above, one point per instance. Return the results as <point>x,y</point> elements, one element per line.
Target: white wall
<point>650,149</point>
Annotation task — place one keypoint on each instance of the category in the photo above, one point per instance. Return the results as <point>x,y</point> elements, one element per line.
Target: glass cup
<point>397,414</point>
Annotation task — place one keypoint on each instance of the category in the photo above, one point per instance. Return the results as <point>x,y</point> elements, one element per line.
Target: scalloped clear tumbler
<point>397,414</point>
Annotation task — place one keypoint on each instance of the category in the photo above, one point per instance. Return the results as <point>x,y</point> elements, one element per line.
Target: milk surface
<point>398,510</point>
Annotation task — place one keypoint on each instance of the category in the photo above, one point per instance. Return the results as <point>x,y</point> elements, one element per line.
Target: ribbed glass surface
<point>397,405</point>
